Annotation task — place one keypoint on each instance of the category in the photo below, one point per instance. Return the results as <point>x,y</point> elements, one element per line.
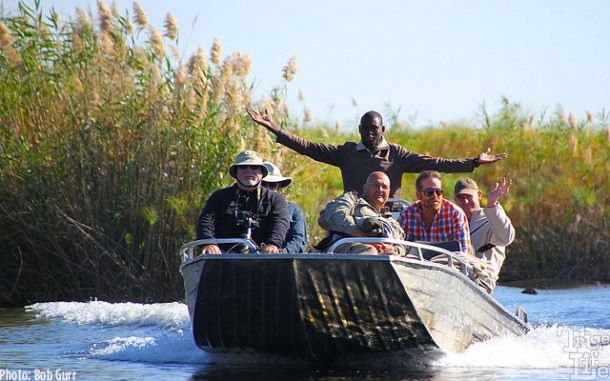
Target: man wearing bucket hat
<point>490,228</point>
<point>373,153</point>
<point>296,238</point>
<point>245,209</point>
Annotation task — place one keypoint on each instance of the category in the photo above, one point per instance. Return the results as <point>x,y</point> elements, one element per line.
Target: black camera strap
<point>243,201</point>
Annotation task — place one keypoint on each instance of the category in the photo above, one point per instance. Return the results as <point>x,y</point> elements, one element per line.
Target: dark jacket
<point>226,212</point>
<point>356,162</point>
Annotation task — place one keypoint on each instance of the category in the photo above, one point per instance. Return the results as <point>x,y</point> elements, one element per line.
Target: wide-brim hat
<point>248,158</point>
<point>466,186</point>
<point>275,175</point>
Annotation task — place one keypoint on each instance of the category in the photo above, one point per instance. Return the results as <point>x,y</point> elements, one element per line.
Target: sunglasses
<point>270,185</point>
<point>253,167</point>
<point>431,191</point>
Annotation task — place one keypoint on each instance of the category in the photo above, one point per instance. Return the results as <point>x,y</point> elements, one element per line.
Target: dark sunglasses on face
<point>253,167</point>
<point>430,191</point>
<point>271,185</point>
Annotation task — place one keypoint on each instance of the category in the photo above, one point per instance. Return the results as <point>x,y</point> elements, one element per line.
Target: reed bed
<point>110,146</point>
<point>112,142</point>
<point>559,202</point>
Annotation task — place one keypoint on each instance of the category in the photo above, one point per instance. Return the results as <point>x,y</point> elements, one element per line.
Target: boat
<point>327,307</point>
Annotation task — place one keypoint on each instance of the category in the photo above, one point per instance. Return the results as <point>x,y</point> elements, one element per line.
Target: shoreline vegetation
<point>111,143</point>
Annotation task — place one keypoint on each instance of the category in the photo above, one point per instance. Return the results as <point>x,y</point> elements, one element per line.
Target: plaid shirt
<point>450,224</point>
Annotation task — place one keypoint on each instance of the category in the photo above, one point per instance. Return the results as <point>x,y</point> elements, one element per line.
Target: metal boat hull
<point>326,307</point>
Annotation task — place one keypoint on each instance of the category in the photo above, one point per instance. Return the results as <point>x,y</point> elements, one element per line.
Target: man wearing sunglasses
<point>432,218</point>
<point>296,238</point>
<point>373,153</point>
<point>245,210</point>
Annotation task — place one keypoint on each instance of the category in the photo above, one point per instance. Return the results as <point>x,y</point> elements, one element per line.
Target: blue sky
<point>436,60</point>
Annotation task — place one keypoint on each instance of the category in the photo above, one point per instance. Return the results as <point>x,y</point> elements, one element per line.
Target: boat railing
<point>464,266</point>
<point>188,250</point>
<point>522,313</point>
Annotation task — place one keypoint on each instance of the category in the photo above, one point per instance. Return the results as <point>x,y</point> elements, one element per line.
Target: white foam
<point>161,333</point>
<point>165,315</point>
<point>156,333</point>
<point>542,348</point>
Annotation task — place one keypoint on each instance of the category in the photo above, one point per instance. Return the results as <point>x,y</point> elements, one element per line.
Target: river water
<point>128,341</point>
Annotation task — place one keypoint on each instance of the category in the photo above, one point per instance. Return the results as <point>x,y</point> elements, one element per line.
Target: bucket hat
<point>248,158</point>
<point>275,175</point>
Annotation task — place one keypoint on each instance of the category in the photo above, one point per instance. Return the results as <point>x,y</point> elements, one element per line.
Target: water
<point>127,341</point>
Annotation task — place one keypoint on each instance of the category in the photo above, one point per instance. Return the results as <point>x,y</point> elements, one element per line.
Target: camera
<point>245,222</point>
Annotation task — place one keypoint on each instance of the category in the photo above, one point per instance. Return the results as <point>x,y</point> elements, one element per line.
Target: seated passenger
<point>432,218</point>
<point>245,209</point>
<point>296,239</point>
<point>490,228</point>
<point>353,216</point>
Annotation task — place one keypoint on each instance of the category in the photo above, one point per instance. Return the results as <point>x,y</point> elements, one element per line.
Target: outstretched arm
<point>486,158</point>
<point>263,120</point>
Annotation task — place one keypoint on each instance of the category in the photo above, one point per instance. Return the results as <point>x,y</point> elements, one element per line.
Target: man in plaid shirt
<point>432,218</point>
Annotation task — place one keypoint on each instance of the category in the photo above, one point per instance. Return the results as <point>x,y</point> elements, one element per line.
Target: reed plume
<point>216,51</point>
<point>290,70</point>
<point>156,41</point>
<point>573,122</point>
<point>171,26</point>
<point>105,17</point>
<point>83,22</point>
<point>5,36</point>
<point>6,44</point>
<point>307,116</point>
<point>589,117</point>
<point>140,17</point>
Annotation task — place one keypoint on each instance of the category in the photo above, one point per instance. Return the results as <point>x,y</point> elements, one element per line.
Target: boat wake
<point>161,333</point>
<point>544,347</point>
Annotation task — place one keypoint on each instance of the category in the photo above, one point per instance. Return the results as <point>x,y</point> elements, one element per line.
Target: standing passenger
<point>373,153</point>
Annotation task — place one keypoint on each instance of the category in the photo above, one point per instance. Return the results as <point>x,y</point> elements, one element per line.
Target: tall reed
<point>111,143</point>
<point>559,202</point>
<point>110,146</point>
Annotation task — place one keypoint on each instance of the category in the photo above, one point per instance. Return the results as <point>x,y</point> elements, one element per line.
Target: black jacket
<point>226,213</point>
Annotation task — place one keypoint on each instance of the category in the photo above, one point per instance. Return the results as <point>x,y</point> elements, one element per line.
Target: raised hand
<point>263,120</point>
<point>498,191</point>
<point>486,158</point>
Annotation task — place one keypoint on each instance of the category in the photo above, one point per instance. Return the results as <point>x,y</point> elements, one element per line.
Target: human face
<point>274,187</point>
<point>433,202</point>
<point>469,203</point>
<point>249,176</point>
<point>377,190</point>
<point>371,132</point>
